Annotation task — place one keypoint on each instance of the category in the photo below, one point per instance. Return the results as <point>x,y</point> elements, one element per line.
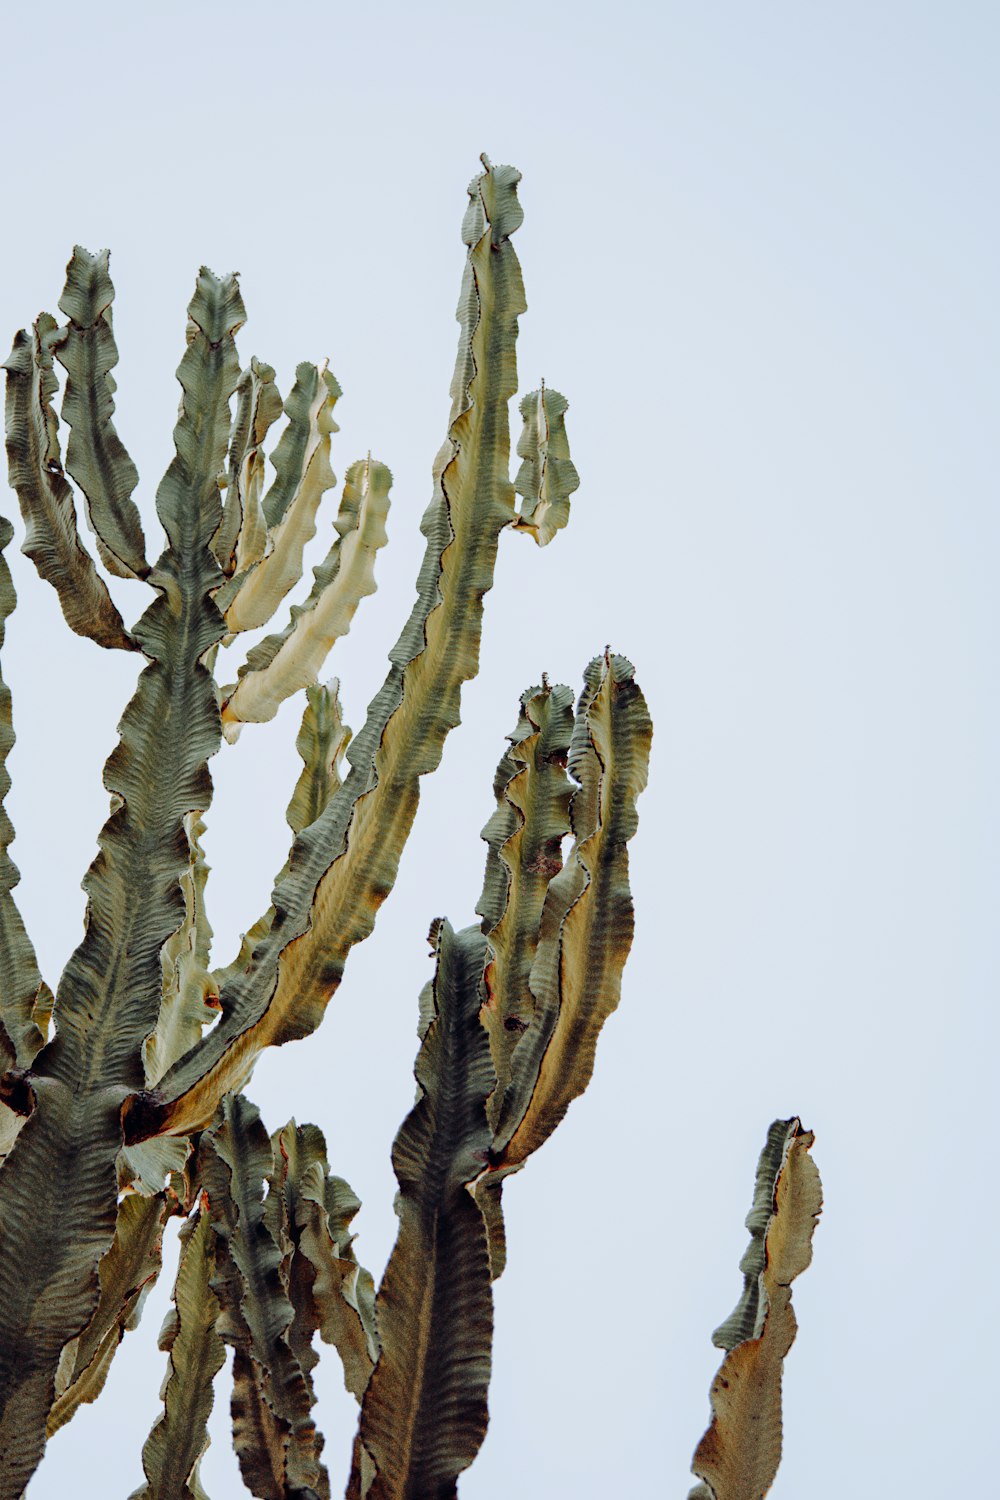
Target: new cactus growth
<point>128,1084</point>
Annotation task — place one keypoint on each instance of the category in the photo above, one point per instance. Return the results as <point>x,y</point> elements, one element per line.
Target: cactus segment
<point>309,1213</point>
<point>242,534</point>
<point>737,1459</point>
<point>273,1431</point>
<point>344,864</point>
<point>291,659</point>
<point>424,1415</point>
<point>342,1290</point>
<point>25,999</point>
<point>96,458</point>
<point>524,837</point>
<point>109,997</point>
<point>127,1272</point>
<point>188,1001</point>
<point>548,476</point>
<point>587,920</point>
<point>303,454</point>
<point>51,536</point>
<point>179,1438</point>
<point>321,742</point>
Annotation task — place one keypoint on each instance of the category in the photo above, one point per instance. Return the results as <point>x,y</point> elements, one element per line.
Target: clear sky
<point>759,252</point>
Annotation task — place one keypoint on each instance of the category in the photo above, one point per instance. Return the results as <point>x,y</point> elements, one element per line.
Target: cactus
<point>738,1456</point>
<point>122,1099</point>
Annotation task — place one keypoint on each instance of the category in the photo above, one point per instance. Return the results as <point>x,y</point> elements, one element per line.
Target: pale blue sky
<point>759,252</point>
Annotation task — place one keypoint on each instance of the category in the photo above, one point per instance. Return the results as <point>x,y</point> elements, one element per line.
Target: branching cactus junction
<point>121,1096</point>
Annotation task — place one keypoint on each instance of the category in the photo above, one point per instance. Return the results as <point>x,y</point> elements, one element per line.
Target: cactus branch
<point>344,864</point>
<point>52,538</point>
<point>738,1457</point>
<point>95,455</point>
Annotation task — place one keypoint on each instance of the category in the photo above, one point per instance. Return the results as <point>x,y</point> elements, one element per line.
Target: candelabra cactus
<point>125,1088</point>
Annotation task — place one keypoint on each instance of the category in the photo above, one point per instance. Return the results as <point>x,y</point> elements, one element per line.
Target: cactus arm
<point>54,1229</point>
<point>423,1417</point>
<point>292,658</point>
<point>547,477</point>
<point>587,920</point>
<point>127,1272</point>
<point>321,741</point>
<point>309,1214</point>
<point>343,1291</point>
<point>52,539</point>
<point>304,454</point>
<point>259,1439</point>
<point>179,1438</point>
<point>272,1395</point>
<point>738,1457</point>
<point>296,1151</point>
<point>24,997</point>
<point>242,534</point>
<point>524,837</point>
<point>344,864</point>
<point>189,1001</point>
<point>95,455</point>
<point>301,447</point>
<point>114,980</point>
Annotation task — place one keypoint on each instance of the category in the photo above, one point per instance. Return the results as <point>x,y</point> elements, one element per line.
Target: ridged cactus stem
<point>54,1228</point>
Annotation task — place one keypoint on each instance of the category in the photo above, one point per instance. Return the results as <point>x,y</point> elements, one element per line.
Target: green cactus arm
<point>25,999</point>
<point>309,1213</point>
<point>424,1416</point>
<point>547,477</point>
<point>252,597</point>
<point>259,1438</point>
<point>296,1151</point>
<point>127,1272</point>
<point>273,1431</point>
<point>292,658</point>
<point>342,1290</point>
<point>52,539</point>
<point>738,1457</point>
<point>524,837</point>
<point>179,1437</point>
<point>109,996</point>
<point>114,980</point>
<point>321,742</point>
<point>345,863</point>
<point>242,534</point>
<point>95,455</point>
<point>587,919</point>
<point>189,1000</point>
<point>301,447</point>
